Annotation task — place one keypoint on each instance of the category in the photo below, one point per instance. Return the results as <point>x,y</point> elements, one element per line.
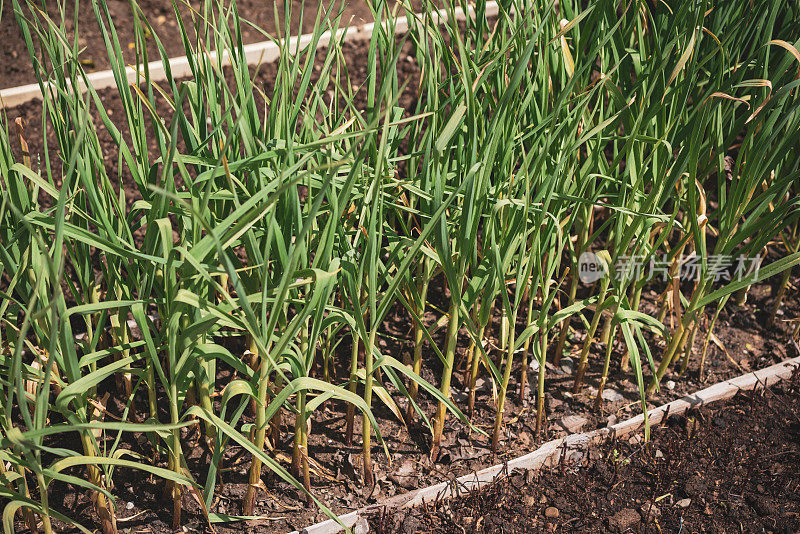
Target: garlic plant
<point>238,242</point>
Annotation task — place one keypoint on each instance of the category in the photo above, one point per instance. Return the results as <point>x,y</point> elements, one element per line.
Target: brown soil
<point>729,468</point>
<point>16,69</point>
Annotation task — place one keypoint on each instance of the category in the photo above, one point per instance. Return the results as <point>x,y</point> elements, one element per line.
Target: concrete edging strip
<point>255,53</point>
<point>570,447</point>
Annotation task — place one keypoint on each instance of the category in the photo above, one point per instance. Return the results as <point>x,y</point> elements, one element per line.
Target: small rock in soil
<point>361,527</point>
<point>612,420</point>
<point>636,439</point>
<point>553,403</point>
<point>683,503</point>
<point>567,365</point>
<point>551,512</point>
<point>612,395</point>
<point>573,423</point>
<point>406,475</point>
<point>624,519</point>
<point>481,384</point>
<point>670,385</point>
<point>650,512</point>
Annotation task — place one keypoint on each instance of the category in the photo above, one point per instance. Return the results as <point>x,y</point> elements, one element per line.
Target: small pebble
<point>683,503</point>
<point>636,439</point>
<point>612,395</point>
<point>649,512</point>
<point>670,385</point>
<point>362,527</point>
<point>573,423</point>
<point>129,506</point>
<point>551,512</point>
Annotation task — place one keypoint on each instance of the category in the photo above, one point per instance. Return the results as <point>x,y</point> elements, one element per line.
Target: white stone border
<point>552,452</point>
<point>256,53</point>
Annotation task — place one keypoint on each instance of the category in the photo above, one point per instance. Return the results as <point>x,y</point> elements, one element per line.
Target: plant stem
<point>687,352</point>
<point>587,343</point>
<point>523,379</point>
<point>366,425</point>
<point>676,342</point>
<point>259,436</point>
<point>562,335</point>
<point>473,373</point>
<point>175,458</point>
<point>598,401</point>
<point>540,413</point>
<point>108,520</point>
<point>779,297</point>
<point>351,410</point>
<point>299,450</point>
<point>501,399</point>
<point>447,373</point>
<point>416,366</point>
<point>43,497</point>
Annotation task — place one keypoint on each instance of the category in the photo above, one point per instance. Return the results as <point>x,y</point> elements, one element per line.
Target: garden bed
<point>745,337</point>
<point>336,479</point>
